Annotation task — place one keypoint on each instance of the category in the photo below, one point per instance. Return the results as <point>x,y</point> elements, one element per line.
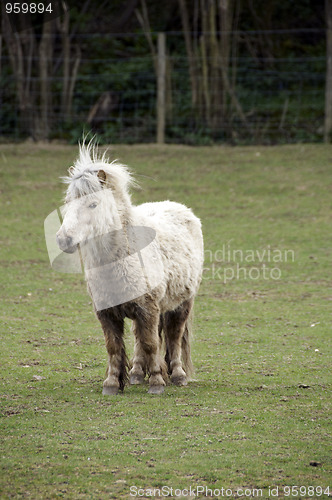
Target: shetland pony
<point>97,220</point>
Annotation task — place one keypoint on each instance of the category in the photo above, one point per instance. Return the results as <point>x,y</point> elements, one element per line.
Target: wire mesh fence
<point>259,98</point>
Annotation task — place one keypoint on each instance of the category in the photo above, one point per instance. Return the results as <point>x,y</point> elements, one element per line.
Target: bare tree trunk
<point>45,65</point>
<point>33,79</point>
<point>73,80</point>
<point>235,102</point>
<point>190,52</point>
<point>143,19</point>
<point>21,49</point>
<point>204,77</point>
<point>161,88</point>
<point>218,108</point>
<point>235,41</point>
<point>205,81</point>
<point>70,70</point>
<point>169,97</point>
<point>64,28</point>
<point>328,84</point>
<point>212,82</point>
<point>226,8</point>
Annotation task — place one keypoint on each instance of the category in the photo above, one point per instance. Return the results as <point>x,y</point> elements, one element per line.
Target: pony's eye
<point>93,205</point>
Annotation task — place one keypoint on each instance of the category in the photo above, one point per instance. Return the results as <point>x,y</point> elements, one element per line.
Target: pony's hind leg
<point>117,366</point>
<point>176,329</point>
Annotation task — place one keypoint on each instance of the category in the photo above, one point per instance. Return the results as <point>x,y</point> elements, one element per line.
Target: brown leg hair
<point>176,336</point>
<point>113,325</point>
<point>147,348</point>
<point>138,371</point>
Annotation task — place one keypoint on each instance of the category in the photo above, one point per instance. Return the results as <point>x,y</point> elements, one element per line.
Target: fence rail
<point>118,89</point>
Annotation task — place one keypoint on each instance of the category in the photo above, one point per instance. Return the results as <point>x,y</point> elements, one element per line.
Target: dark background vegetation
<point>255,71</point>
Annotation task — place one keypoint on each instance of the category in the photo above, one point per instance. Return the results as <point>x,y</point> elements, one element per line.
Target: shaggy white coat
<point>178,240</point>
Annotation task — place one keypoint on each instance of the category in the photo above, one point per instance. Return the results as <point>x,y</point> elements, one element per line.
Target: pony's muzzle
<point>65,243</point>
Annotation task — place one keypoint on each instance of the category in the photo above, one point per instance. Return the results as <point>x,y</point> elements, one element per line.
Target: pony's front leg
<point>138,371</point>
<point>147,336</point>
<point>113,327</point>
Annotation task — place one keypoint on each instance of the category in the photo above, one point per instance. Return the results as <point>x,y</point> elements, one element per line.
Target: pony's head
<point>97,199</point>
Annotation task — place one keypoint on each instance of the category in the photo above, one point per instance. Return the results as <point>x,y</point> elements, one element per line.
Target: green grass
<point>256,415</point>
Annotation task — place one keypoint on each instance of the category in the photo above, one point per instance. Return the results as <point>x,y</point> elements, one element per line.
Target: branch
<point>143,19</point>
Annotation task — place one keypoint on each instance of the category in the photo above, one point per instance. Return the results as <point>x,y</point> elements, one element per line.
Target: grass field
<point>256,416</point>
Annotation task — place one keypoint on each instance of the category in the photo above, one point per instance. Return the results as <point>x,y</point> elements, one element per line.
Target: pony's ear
<point>101,174</point>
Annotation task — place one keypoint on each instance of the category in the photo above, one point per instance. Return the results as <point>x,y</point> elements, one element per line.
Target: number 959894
<point>25,8</point>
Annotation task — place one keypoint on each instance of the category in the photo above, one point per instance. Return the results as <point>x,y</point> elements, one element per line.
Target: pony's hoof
<point>179,380</point>
<point>110,390</point>
<point>156,389</point>
<point>136,379</point>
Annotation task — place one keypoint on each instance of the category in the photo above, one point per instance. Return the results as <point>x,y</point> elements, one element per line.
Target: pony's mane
<point>83,179</point>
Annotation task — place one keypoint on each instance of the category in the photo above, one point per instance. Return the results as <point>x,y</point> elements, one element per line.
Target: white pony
<point>142,262</point>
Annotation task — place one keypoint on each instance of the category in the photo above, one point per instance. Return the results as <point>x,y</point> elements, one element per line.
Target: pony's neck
<point>125,209</point>
<point>105,249</point>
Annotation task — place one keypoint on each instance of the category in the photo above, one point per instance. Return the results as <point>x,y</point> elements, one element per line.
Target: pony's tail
<point>185,346</point>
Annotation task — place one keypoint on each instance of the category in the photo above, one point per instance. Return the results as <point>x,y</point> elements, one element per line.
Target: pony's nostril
<point>69,241</point>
